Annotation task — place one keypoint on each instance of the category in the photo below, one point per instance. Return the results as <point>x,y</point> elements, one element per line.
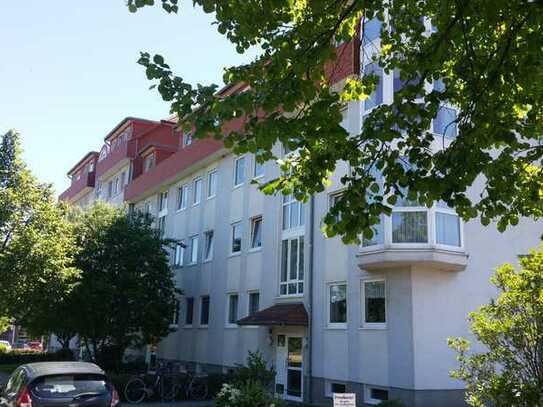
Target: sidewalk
<point>189,403</point>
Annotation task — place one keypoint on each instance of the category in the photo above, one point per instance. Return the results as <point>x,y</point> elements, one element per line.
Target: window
<point>193,249</point>
<point>374,304</point>
<point>239,171</point>
<point>110,189</point>
<point>447,225</point>
<point>175,316</point>
<point>258,169</point>
<point>445,122</point>
<point>232,309</point>
<point>293,212</point>
<point>337,299</point>
<point>179,254</point>
<point>163,201</point>
<point>204,311</point>
<point>123,179</point>
<point>161,225</point>
<point>148,162</point>
<point>256,232</point>
<point>190,311</point>
<point>254,302</point>
<point>409,224</point>
<point>116,186</point>
<point>334,387</point>
<point>197,192</point>
<point>376,97</point>
<point>292,266</point>
<point>378,235</point>
<point>212,184</point>
<point>91,167</point>
<point>182,197</point>
<point>334,198</point>
<point>236,237</point>
<point>372,29</point>
<point>208,254</point>
<point>375,395</point>
<point>187,139</point>
<point>148,208</point>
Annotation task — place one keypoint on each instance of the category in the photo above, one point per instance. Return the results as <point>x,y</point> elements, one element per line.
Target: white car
<point>6,344</point>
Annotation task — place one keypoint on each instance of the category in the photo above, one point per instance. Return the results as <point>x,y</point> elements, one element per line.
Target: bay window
<point>293,212</point>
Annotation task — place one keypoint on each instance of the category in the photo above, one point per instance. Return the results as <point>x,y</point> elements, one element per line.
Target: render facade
<point>257,273</point>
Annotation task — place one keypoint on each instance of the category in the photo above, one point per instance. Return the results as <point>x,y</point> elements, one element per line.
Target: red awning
<point>278,314</point>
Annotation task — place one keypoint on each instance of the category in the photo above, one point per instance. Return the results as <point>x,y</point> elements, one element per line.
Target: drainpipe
<point>310,290</point>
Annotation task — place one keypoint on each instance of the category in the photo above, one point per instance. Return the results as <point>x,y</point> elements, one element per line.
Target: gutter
<point>310,289</point>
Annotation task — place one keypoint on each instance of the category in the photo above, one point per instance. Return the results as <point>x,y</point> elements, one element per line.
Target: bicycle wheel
<point>135,391</point>
<point>198,390</point>
<point>168,388</point>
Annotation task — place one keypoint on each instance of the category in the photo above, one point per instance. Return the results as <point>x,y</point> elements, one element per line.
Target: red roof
<point>278,315</point>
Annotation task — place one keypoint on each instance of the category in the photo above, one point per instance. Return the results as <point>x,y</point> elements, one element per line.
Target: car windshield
<point>60,386</point>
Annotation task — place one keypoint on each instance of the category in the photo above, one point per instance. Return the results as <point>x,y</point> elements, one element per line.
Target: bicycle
<point>145,386</point>
<point>194,386</point>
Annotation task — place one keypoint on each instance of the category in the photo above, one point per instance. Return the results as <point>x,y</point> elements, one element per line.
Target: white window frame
<point>194,249</point>
<point>297,280</point>
<point>197,189</point>
<point>201,308</point>
<point>187,138</point>
<point>228,300</point>
<point>161,225</point>
<point>372,325</point>
<point>232,228</point>
<point>209,246</point>
<point>116,186</point>
<point>256,165</point>
<point>163,203</point>
<point>235,180</point>
<point>249,293</point>
<point>213,174</point>
<point>330,324</point>
<point>254,220</point>
<point>174,323</point>
<point>333,197</point>
<point>367,394</point>
<point>185,324</point>
<point>182,203</point>
<point>292,202</point>
<point>179,254</point>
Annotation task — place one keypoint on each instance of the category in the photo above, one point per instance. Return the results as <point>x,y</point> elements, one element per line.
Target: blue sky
<point>68,71</point>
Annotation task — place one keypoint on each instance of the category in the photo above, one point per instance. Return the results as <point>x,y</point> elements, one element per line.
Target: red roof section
<point>278,315</point>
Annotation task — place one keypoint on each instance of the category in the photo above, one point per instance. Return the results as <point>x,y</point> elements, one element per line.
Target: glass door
<point>294,368</point>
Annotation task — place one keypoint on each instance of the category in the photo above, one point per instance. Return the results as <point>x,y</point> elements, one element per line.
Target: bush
<point>215,382</point>
<point>248,394</point>
<point>256,370</point>
<point>3,348</point>
<point>21,357</point>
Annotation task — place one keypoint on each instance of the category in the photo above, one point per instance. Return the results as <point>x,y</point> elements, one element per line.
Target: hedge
<point>21,357</point>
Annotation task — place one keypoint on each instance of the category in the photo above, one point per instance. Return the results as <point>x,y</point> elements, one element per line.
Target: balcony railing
<point>86,181</point>
<point>416,235</point>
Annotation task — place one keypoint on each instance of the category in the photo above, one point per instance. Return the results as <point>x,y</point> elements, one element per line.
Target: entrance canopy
<point>278,315</point>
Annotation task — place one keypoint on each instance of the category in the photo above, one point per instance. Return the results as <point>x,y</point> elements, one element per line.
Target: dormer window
<point>187,139</point>
<point>91,167</point>
<point>148,162</point>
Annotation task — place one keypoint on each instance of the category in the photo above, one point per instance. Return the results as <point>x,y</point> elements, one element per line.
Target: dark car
<point>59,384</point>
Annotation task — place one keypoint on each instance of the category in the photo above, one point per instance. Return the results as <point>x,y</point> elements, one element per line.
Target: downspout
<point>310,290</point>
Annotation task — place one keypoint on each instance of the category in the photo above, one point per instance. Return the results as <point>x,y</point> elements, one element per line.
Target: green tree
<point>487,54</point>
<point>36,241</point>
<point>126,294</point>
<point>509,372</point>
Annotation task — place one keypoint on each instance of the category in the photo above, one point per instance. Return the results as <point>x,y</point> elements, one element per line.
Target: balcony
<point>78,187</point>
<point>116,157</point>
<point>412,235</point>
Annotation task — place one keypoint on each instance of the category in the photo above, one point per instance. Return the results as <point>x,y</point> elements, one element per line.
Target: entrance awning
<point>278,314</point>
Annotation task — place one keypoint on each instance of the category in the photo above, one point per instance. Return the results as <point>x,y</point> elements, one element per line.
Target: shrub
<point>3,348</point>
<point>215,382</point>
<point>256,370</point>
<point>21,357</point>
<point>248,394</point>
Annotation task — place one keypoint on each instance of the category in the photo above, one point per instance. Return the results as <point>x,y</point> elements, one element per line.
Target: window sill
<point>180,210</point>
<point>231,326</point>
<point>250,327</point>
<point>173,326</point>
<point>255,249</point>
<point>187,326</point>
<point>192,263</point>
<point>258,177</point>
<point>337,327</point>
<point>211,197</point>
<point>234,254</point>
<point>203,327</point>
<point>238,186</point>
<point>287,296</point>
<point>207,261</point>
<point>377,327</point>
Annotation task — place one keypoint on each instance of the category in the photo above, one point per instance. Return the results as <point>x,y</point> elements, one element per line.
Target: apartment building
<point>257,273</point>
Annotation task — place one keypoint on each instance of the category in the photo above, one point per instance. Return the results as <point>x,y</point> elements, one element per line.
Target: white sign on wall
<point>344,400</point>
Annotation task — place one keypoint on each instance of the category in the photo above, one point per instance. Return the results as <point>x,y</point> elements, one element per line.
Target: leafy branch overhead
<point>486,59</point>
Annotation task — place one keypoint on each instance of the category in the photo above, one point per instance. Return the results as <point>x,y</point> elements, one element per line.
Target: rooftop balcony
<point>412,235</point>
<point>84,184</point>
<point>116,157</point>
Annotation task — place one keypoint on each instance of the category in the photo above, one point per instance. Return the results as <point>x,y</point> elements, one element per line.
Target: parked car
<point>59,384</point>
<point>34,345</point>
<point>6,344</point>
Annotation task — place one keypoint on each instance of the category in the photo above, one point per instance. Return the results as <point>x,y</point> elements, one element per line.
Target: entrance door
<point>289,382</point>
